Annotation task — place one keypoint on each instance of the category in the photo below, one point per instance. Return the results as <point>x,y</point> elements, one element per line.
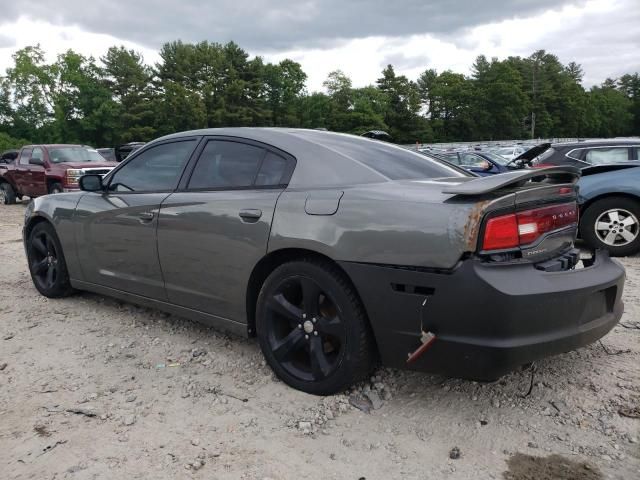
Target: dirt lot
<point>94,388</point>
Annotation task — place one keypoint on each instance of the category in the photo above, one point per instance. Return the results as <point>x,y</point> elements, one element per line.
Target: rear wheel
<point>312,328</point>
<point>614,224</point>
<point>7,194</point>
<point>46,262</point>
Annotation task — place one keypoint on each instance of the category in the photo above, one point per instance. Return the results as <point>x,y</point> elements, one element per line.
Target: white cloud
<point>55,39</point>
<point>602,35</point>
<point>588,34</point>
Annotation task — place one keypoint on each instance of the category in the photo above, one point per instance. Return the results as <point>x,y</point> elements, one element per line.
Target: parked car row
<point>609,189</point>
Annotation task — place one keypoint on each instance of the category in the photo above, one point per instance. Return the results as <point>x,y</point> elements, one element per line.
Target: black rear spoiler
<point>482,185</point>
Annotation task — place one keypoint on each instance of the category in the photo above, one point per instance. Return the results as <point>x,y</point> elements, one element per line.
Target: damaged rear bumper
<point>487,319</point>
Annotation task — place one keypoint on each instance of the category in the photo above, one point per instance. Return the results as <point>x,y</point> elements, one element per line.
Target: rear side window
<point>273,170</point>
<point>600,156</point>
<point>156,169</point>
<point>226,165</point>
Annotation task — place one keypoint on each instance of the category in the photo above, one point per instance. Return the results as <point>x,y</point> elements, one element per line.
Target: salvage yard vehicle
<point>336,251</point>
<point>588,153</point>
<point>609,198</point>
<point>43,169</point>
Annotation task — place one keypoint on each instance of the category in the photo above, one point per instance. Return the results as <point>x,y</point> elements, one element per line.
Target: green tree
<point>500,102</point>
<point>629,84</point>
<point>130,83</point>
<point>404,103</point>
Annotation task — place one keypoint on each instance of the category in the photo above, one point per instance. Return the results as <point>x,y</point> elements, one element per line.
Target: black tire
<point>8,194</point>
<point>321,356</point>
<point>55,188</point>
<point>621,237</point>
<point>47,264</point>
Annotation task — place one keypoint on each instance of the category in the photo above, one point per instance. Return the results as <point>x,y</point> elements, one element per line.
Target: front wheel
<point>46,262</point>
<point>614,224</point>
<point>313,329</point>
<point>7,194</point>
<point>56,188</point>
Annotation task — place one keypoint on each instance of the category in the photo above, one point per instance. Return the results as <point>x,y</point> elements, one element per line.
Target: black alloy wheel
<point>46,262</point>
<point>312,328</point>
<point>306,333</point>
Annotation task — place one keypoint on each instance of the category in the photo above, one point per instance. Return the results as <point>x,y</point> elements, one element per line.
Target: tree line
<point>119,98</point>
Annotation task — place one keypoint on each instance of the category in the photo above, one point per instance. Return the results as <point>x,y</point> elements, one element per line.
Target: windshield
<point>504,151</point>
<point>499,159</point>
<point>74,155</point>
<point>395,163</point>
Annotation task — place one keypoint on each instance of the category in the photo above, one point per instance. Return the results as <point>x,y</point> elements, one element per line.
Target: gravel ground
<point>94,388</point>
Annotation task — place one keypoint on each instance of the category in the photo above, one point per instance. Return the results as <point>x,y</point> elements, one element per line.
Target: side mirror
<point>91,183</point>
<point>36,161</point>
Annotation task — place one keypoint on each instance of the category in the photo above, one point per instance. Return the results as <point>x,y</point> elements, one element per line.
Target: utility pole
<point>533,106</point>
<point>533,124</point>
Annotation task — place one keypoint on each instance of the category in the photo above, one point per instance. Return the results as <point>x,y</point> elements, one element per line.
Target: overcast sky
<point>357,36</point>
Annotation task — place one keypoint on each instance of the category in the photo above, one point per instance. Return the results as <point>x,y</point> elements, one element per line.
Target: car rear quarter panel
<point>397,223</point>
<point>625,182</point>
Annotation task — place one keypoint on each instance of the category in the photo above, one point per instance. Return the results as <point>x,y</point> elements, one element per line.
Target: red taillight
<point>522,228</point>
<point>501,232</point>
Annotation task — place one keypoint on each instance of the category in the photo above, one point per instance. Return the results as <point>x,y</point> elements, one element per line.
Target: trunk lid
<point>520,196</point>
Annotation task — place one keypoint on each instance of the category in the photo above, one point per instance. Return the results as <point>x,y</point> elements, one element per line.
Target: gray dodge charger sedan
<point>336,251</point>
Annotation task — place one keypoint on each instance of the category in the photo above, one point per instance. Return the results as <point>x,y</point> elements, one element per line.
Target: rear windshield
<point>395,163</point>
<point>74,155</point>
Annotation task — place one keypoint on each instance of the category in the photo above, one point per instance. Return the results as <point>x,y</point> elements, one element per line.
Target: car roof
<point>598,143</point>
<point>54,145</point>
<point>323,158</point>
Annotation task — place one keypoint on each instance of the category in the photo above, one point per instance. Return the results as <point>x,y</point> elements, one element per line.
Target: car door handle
<point>250,214</point>
<point>146,216</point>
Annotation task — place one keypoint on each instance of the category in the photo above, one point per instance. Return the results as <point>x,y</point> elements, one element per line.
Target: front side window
<point>25,156</point>
<point>74,154</point>
<point>37,154</point>
<point>600,156</point>
<point>156,169</point>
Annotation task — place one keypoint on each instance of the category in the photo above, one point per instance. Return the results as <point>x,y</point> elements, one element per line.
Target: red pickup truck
<point>43,169</point>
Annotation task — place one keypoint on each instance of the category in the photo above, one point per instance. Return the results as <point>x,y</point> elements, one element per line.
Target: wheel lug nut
<point>299,325</point>
<point>315,320</point>
<point>304,315</point>
<point>306,337</point>
<point>315,333</point>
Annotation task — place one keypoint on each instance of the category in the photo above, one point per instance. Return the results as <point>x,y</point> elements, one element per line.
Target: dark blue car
<point>609,198</point>
<point>480,163</point>
<point>483,163</point>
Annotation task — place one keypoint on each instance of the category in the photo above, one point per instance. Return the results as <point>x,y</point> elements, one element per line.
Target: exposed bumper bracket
<point>427,339</point>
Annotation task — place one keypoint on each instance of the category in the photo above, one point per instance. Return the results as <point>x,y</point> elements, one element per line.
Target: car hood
<point>532,153</point>
<point>87,164</point>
